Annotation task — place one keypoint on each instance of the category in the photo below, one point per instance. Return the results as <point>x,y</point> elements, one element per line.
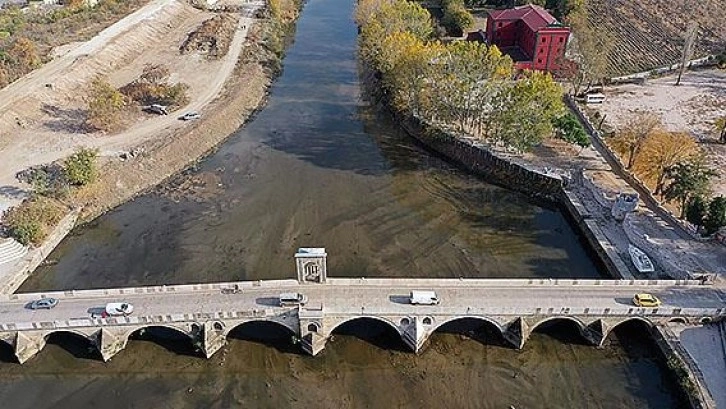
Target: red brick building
<point>530,35</point>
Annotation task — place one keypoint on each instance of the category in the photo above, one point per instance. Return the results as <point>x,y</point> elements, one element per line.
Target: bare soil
<point>691,107</point>
<point>42,115</point>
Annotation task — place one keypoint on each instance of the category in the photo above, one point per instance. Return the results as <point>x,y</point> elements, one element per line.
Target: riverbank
<point>121,179</point>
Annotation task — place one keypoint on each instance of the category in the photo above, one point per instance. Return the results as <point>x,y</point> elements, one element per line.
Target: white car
<point>190,116</point>
<point>119,308</point>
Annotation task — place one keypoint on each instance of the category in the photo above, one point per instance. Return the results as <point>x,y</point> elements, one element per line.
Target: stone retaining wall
<point>671,347</point>
<point>479,159</point>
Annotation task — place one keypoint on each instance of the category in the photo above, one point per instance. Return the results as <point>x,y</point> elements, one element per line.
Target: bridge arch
<point>369,334</point>
<point>169,337</point>
<point>582,328</point>
<point>629,320</point>
<point>485,320</point>
<point>463,325</point>
<point>257,321</point>
<point>7,352</point>
<point>76,343</point>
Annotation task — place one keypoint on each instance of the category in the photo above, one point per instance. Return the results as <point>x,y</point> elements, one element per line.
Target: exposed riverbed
<point>319,167</point>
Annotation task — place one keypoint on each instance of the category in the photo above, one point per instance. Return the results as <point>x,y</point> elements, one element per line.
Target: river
<point>319,167</point>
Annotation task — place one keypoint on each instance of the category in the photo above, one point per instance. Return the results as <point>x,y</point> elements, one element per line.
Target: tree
<point>687,179</point>
<point>696,209</point>
<point>569,129</point>
<point>687,53</point>
<point>660,151</point>
<point>456,18</point>
<point>24,53</point>
<point>716,215</point>
<point>105,104</point>
<point>720,125</point>
<point>526,109</point>
<point>591,48</point>
<point>80,168</point>
<point>634,133</point>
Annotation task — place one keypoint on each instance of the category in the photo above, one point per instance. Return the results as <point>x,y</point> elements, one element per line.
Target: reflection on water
<point>318,167</point>
<point>461,367</point>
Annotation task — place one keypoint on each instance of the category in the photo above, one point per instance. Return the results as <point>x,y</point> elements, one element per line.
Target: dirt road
<point>41,123</point>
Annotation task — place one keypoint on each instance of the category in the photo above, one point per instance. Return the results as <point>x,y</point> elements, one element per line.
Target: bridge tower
<point>311,266</point>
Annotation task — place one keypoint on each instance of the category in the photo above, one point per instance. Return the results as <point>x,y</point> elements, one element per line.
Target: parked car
<point>156,109</point>
<point>292,299</point>
<point>646,300</point>
<point>190,116</point>
<point>46,303</point>
<point>119,308</point>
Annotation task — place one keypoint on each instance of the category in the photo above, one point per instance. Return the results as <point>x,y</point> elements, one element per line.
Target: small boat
<point>640,259</point>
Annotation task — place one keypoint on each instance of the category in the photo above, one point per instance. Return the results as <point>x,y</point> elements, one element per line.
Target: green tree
<point>456,18</point>
<point>526,109</point>
<point>80,168</point>
<point>696,209</point>
<point>687,179</point>
<point>716,215</point>
<point>569,129</point>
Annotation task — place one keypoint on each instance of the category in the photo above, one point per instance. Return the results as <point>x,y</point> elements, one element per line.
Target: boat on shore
<point>640,259</point>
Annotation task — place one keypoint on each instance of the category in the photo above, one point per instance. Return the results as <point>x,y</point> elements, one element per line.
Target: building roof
<point>535,17</point>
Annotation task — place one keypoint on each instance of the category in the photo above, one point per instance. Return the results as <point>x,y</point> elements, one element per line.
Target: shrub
<point>105,104</point>
<point>569,129</point>
<point>80,168</point>
<point>152,88</point>
<point>716,215</point>
<point>31,221</point>
<point>696,210</point>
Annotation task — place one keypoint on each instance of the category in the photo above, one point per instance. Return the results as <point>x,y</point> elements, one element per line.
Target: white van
<point>292,299</point>
<point>423,298</point>
<point>594,98</point>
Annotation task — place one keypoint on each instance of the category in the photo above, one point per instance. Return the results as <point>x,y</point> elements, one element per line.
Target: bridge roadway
<point>206,314</point>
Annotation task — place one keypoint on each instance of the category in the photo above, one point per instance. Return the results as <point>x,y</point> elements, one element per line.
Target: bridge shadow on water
<point>7,353</point>
<point>371,331</point>
<point>172,340</point>
<point>563,330</point>
<point>269,334</point>
<point>474,329</point>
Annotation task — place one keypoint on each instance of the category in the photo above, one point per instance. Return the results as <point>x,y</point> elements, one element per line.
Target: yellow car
<point>646,300</point>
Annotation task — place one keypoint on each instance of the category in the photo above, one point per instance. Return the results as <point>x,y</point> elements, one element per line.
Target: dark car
<point>46,303</point>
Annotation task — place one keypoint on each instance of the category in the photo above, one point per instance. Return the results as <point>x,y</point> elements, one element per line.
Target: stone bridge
<point>207,313</point>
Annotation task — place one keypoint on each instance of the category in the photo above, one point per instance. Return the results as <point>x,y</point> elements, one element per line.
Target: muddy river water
<point>320,167</point>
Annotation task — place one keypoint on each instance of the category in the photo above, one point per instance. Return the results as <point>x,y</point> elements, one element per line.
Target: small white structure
<point>595,98</point>
<point>640,259</point>
<point>311,264</point>
<point>625,203</point>
<point>418,297</point>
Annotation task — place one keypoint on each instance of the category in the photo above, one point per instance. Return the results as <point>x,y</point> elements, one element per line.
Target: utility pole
<point>687,48</point>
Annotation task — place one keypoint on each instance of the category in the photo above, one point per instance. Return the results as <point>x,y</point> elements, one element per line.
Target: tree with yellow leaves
<point>660,151</point>
<point>629,140</point>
